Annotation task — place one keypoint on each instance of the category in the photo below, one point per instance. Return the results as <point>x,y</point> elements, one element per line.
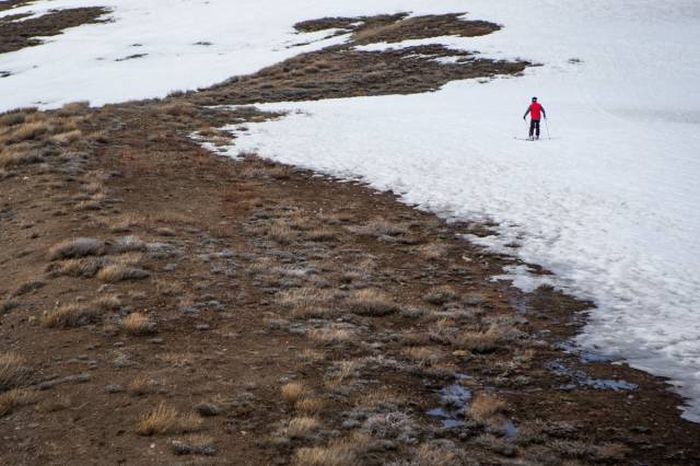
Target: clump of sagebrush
<point>167,420</point>
<point>293,392</point>
<point>70,316</point>
<point>119,272</point>
<point>75,248</point>
<point>370,302</point>
<point>137,324</point>
<point>14,371</point>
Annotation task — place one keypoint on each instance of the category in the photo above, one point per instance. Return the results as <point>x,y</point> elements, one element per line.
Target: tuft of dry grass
<point>322,234</point>
<point>86,267</point>
<point>71,316</point>
<point>423,355</point>
<point>307,302</point>
<point>119,272</point>
<point>479,341</point>
<point>108,303</point>
<point>302,426</point>
<point>293,392</point>
<point>485,406</point>
<point>433,251</point>
<point>67,138</point>
<point>167,420</point>
<point>75,248</point>
<point>371,302</point>
<point>341,452</point>
<point>381,227</point>
<point>129,243</point>
<point>137,324</point>
<point>331,335</point>
<point>440,295</point>
<point>281,232</point>
<point>18,156</point>
<point>15,398</point>
<point>28,131</point>
<point>13,371</point>
<point>141,385</point>
<point>310,406</point>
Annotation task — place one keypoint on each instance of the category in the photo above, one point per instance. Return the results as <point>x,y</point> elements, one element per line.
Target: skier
<point>536,111</point>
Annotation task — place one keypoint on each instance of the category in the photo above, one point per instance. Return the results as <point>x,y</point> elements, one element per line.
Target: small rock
<point>202,327</point>
<point>207,409</point>
<point>114,388</point>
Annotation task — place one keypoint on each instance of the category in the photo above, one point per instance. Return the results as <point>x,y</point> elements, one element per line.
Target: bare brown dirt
<point>162,305</point>
<point>20,31</point>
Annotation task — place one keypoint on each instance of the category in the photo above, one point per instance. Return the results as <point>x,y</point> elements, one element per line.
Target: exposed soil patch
<point>161,305</point>
<point>343,71</point>
<point>18,31</point>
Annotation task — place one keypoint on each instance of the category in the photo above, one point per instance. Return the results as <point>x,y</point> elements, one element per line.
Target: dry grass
<point>108,303</point>
<point>86,267</point>
<point>137,324</point>
<point>28,131</point>
<point>75,248</point>
<point>67,138</point>
<point>440,295</point>
<point>332,335</point>
<point>13,371</point>
<point>423,355</point>
<point>15,398</point>
<point>485,406</point>
<point>177,359</point>
<point>141,385</point>
<point>480,341</point>
<point>281,233</point>
<point>71,316</point>
<point>322,234</point>
<point>302,426</point>
<point>433,251</point>
<point>129,243</point>
<point>293,392</point>
<point>167,420</point>
<point>74,108</point>
<point>120,272</point>
<point>340,452</point>
<point>381,227</point>
<point>310,406</point>
<point>17,156</point>
<point>370,302</point>
<point>307,302</point>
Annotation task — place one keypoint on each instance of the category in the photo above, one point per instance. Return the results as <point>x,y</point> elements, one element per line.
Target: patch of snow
<point>245,36</point>
<point>609,203</point>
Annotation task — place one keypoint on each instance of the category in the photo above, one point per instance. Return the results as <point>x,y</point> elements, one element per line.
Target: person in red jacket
<point>536,111</point>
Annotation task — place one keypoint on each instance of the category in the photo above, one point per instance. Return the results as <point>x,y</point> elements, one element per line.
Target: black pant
<point>535,128</point>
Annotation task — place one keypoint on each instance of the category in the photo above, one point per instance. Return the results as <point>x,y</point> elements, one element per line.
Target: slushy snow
<point>609,203</point>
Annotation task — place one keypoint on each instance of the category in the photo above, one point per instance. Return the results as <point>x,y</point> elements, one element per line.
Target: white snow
<point>245,35</point>
<point>609,203</point>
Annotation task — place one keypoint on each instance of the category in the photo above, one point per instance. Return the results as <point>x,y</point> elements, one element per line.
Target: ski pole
<point>546,125</point>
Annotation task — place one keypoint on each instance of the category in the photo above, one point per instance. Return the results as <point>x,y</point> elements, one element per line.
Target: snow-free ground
<point>608,204</point>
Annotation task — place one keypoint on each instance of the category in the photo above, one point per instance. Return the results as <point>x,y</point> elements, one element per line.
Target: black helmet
<point>534,99</point>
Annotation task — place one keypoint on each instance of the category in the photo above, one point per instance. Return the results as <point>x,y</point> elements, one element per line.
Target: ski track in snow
<point>609,204</point>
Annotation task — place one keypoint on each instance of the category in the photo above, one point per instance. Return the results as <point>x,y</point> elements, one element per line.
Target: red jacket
<point>536,110</point>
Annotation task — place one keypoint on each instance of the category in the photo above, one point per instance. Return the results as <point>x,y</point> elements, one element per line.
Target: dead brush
<point>15,398</point>
<point>67,138</point>
<point>371,302</point>
<point>433,251</point>
<point>307,302</point>
<point>75,248</point>
<point>479,341</point>
<point>71,316</point>
<point>167,420</point>
<point>140,386</point>
<point>485,406</point>
<point>281,233</point>
<point>137,324</point>
<point>380,227</point>
<point>440,295</point>
<point>15,117</point>
<point>15,157</point>
<point>302,426</point>
<point>340,452</point>
<point>119,272</point>
<point>293,392</point>
<point>309,406</point>
<point>29,131</point>
<point>322,234</point>
<point>108,303</point>
<point>423,355</point>
<point>14,371</point>
<point>84,268</point>
<point>331,336</point>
